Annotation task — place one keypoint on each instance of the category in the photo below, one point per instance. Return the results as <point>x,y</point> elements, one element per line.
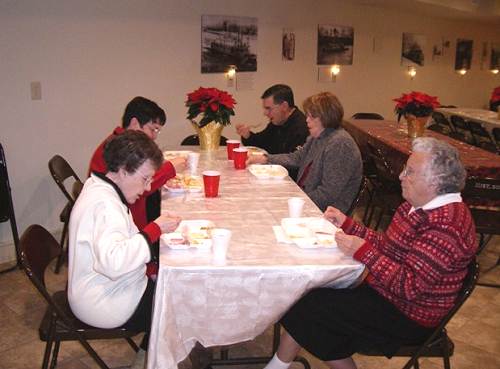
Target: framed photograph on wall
<point>412,51</point>
<point>227,40</point>
<point>335,45</point>
<point>463,55</point>
<point>495,55</point>
<point>288,45</point>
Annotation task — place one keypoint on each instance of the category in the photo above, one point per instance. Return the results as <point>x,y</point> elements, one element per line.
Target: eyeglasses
<point>155,130</point>
<point>147,179</point>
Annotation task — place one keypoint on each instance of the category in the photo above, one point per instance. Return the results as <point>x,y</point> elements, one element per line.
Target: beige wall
<point>92,57</point>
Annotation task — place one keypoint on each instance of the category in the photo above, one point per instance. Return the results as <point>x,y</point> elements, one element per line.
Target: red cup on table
<point>240,155</point>
<point>211,179</point>
<point>230,145</point>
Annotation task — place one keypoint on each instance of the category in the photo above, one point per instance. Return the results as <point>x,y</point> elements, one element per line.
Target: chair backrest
<point>61,171</point>
<point>6,203</point>
<point>37,250</point>
<point>384,170</point>
<point>481,136</point>
<point>373,116</point>
<point>362,189</point>
<point>459,123</point>
<point>440,119</point>
<point>194,140</point>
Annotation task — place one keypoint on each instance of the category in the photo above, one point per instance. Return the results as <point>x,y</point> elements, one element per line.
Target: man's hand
<point>335,216</point>
<point>179,163</point>
<point>256,159</point>
<point>243,130</point>
<point>348,244</point>
<point>168,222</point>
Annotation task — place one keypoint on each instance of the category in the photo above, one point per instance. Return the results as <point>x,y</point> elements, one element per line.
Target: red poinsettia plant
<point>415,103</point>
<point>495,95</point>
<point>213,104</point>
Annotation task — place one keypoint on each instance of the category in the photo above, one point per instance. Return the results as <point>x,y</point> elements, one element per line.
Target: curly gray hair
<point>444,169</point>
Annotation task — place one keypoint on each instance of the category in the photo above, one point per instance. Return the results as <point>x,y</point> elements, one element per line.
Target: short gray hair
<point>445,170</point>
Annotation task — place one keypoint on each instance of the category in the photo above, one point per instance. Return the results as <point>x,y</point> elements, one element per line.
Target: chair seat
<point>63,333</point>
<point>434,349</point>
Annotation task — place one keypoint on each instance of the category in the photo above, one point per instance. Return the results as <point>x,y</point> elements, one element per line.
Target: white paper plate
<point>268,171</point>
<point>253,150</point>
<point>310,232</point>
<point>196,234</point>
<point>185,187</point>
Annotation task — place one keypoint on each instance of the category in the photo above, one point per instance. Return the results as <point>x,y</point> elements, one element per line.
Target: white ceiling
<point>472,10</point>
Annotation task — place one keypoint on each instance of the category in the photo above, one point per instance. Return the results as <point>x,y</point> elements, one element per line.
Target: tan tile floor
<point>475,330</point>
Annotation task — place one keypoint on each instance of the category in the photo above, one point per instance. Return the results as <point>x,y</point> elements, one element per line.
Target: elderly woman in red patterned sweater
<point>414,270</point>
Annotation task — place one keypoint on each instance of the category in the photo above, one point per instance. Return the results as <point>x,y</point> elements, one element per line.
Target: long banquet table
<point>216,305</point>
<point>391,138</point>
<point>489,119</point>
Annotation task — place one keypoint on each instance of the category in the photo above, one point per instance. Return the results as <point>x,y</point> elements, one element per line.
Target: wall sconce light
<point>462,71</point>
<point>494,70</point>
<point>231,75</point>
<point>334,70</point>
<point>412,72</point>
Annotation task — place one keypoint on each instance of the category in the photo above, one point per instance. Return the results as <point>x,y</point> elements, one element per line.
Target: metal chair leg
<point>55,353</point>
<point>60,259</point>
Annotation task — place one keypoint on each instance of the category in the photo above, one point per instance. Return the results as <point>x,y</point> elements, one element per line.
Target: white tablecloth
<point>489,119</point>
<point>220,305</point>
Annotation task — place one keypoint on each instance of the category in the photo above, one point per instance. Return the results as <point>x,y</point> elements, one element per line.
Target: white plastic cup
<point>193,159</point>
<point>295,205</point>
<point>220,242</point>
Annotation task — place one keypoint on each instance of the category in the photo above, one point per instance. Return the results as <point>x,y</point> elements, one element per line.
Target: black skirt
<point>334,324</point>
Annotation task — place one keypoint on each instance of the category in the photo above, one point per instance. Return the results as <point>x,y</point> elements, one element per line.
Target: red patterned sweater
<point>420,262</point>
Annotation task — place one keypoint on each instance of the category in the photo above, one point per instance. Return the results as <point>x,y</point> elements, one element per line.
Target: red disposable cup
<point>231,144</point>
<point>211,180</point>
<point>240,155</point>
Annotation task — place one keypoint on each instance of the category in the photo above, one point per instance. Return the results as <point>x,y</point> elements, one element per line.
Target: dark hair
<point>129,150</point>
<point>144,110</point>
<point>325,106</point>
<point>280,93</point>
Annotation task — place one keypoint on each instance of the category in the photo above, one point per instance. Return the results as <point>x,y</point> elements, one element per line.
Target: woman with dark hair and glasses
<point>107,283</point>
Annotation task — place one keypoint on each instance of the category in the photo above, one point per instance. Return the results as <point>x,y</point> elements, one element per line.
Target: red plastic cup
<point>211,180</point>
<point>231,144</point>
<point>240,156</point>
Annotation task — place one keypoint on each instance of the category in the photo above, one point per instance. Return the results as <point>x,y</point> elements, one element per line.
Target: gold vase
<point>209,135</point>
<point>416,125</point>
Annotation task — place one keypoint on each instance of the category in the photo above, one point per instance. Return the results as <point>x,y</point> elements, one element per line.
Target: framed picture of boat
<point>228,40</point>
<point>463,55</point>
<point>335,44</point>
<point>412,51</point>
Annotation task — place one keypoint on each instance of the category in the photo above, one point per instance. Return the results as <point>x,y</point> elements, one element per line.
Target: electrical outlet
<point>36,90</point>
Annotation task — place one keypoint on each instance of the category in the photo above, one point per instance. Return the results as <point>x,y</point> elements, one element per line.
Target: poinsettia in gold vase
<point>417,108</point>
<point>215,108</point>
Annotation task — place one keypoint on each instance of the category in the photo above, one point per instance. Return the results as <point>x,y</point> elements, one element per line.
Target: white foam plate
<point>196,234</point>
<point>313,232</point>
<point>167,155</point>
<point>268,171</point>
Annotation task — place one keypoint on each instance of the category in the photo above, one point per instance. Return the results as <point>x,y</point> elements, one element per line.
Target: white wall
<point>93,56</point>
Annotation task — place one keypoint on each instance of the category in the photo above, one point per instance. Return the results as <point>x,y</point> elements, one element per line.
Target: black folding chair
<point>371,116</point>
<point>481,137</point>
<point>62,171</point>
<point>441,124</point>
<point>461,130</point>
<point>439,344</point>
<point>7,207</point>
<point>38,249</point>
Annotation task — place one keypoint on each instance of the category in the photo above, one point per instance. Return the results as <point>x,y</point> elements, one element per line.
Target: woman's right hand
<point>256,159</point>
<point>168,222</point>
<point>335,216</point>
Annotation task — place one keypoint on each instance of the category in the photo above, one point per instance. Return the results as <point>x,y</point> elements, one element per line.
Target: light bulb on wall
<point>412,72</point>
<point>494,70</point>
<point>231,75</point>
<point>462,71</point>
<point>334,71</point>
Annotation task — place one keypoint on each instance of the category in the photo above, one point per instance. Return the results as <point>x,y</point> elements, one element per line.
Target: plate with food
<point>167,155</point>
<point>313,232</point>
<point>184,183</point>
<point>190,234</point>
<point>253,150</point>
<point>268,171</point>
